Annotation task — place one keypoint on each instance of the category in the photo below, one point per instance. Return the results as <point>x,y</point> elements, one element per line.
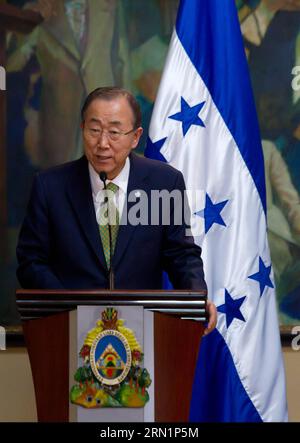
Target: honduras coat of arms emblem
<point>112,374</point>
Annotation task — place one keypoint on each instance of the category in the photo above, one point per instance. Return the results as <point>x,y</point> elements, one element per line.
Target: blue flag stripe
<point>220,374</point>
<point>200,27</point>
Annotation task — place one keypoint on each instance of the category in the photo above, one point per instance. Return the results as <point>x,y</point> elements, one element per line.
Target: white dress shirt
<point>97,188</point>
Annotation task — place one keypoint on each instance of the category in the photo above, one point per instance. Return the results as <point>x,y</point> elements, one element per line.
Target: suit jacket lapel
<point>137,176</point>
<point>80,195</point>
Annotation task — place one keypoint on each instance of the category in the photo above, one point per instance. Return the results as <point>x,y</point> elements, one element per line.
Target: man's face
<point>105,144</point>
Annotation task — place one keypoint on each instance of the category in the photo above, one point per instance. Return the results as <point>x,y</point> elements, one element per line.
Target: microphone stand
<point>111,277</point>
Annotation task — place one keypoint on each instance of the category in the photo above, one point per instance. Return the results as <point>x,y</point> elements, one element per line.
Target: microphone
<point>103,178</point>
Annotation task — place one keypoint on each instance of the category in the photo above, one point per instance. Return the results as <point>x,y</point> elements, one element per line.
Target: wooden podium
<point>178,318</point>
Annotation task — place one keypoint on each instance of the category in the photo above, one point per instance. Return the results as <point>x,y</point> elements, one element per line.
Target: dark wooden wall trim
<point>3,206</point>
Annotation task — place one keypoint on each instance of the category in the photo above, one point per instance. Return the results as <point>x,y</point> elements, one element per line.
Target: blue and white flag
<point>204,123</point>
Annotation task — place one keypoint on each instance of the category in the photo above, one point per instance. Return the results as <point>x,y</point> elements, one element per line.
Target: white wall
<point>292,368</point>
<point>17,402</point>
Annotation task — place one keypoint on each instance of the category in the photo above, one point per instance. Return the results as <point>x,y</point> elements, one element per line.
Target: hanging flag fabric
<point>204,123</point>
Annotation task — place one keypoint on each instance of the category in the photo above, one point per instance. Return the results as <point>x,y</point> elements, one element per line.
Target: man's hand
<point>212,317</point>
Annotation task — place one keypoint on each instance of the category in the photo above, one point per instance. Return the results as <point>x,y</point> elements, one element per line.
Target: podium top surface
<point>40,303</point>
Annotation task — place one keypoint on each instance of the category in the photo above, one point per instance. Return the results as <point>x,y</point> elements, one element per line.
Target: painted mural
<point>82,44</point>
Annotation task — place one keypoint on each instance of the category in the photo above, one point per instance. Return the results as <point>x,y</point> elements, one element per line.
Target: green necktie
<point>109,214</point>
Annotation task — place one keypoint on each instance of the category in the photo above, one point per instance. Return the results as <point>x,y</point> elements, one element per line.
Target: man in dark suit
<point>63,242</point>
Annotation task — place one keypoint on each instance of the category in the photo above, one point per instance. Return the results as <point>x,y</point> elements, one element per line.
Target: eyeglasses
<point>110,133</point>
